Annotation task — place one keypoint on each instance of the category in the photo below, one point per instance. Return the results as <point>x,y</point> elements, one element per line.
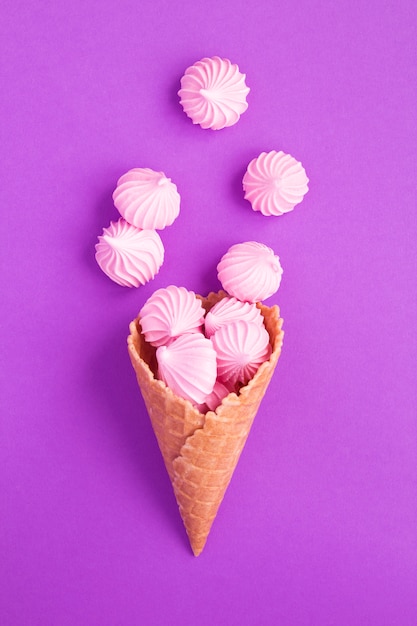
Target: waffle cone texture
<point>201,451</point>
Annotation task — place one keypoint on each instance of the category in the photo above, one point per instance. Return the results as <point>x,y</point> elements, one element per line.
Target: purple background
<point>319,524</point>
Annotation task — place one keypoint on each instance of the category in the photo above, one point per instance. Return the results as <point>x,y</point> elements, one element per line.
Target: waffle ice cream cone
<point>201,451</point>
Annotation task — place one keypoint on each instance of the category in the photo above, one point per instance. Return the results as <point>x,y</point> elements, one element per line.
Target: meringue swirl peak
<point>188,366</point>
<point>128,255</point>
<point>170,312</point>
<point>147,199</point>
<point>274,183</point>
<point>213,93</point>
<point>250,271</point>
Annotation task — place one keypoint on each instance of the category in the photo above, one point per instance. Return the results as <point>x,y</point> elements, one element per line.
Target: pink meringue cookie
<point>214,399</point>
<point>274,183</point>
<point>147,199</point>
<point>188,366</point>
<point>241,348</point>
<point>128,255</point>
<point>170,312</point>
<point>230,310</point>
<point>250,271</point>
<point>213,93</point>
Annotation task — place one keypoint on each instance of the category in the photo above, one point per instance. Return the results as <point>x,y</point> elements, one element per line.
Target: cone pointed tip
<point>197,546</point>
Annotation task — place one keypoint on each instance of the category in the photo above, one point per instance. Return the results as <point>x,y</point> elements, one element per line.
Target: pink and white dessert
<point>147,199</point>
<point>250,271</point>
<point>171,312</point>
<point>188,367</point>
<point>274,183</point>
<point>241,348</point>
<point>128,255</point>
<point>229,310</point>
<point>213,93</point>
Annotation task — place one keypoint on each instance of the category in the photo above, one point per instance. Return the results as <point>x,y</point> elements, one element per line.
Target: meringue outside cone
<point>201,451</point>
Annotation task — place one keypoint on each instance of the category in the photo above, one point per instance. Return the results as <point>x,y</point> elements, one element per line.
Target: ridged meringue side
<point>147,199</point>
<point>229,310</point>
<point>170,312</point>
<point>188,366</point>
<point>250,271</point>
<point>274,183</point>
<point>241,348</point>
<point>213,93</point>
<point>129,256</point>
<point>220,391</point>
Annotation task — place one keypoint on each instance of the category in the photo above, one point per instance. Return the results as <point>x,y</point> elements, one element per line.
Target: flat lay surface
<point>318,525</point>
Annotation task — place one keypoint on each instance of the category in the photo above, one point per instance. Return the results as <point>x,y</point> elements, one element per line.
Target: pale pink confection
<point>188,367</point>
<point>214,399</point>
<point>171,312</point>
<point>128,255</point>
<point>250,271</point>
<point>213,93</point>
<point>274,183</point>
<point>241,348</point>
<point>147,199</point>
<point>230,310</point>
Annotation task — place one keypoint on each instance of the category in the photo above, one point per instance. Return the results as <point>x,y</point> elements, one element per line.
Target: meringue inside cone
<point>147,352</point>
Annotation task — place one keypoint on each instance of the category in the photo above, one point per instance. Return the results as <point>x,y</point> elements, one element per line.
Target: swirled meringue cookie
<point>250,271</point>
<point>230,310</point>
<point>147,199</point>
<point>170,312</point>
<point>129,256</point>
<point>213,93</point>
<point>274,183</point>
<point>241,348</point>
<point>188,367</point>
